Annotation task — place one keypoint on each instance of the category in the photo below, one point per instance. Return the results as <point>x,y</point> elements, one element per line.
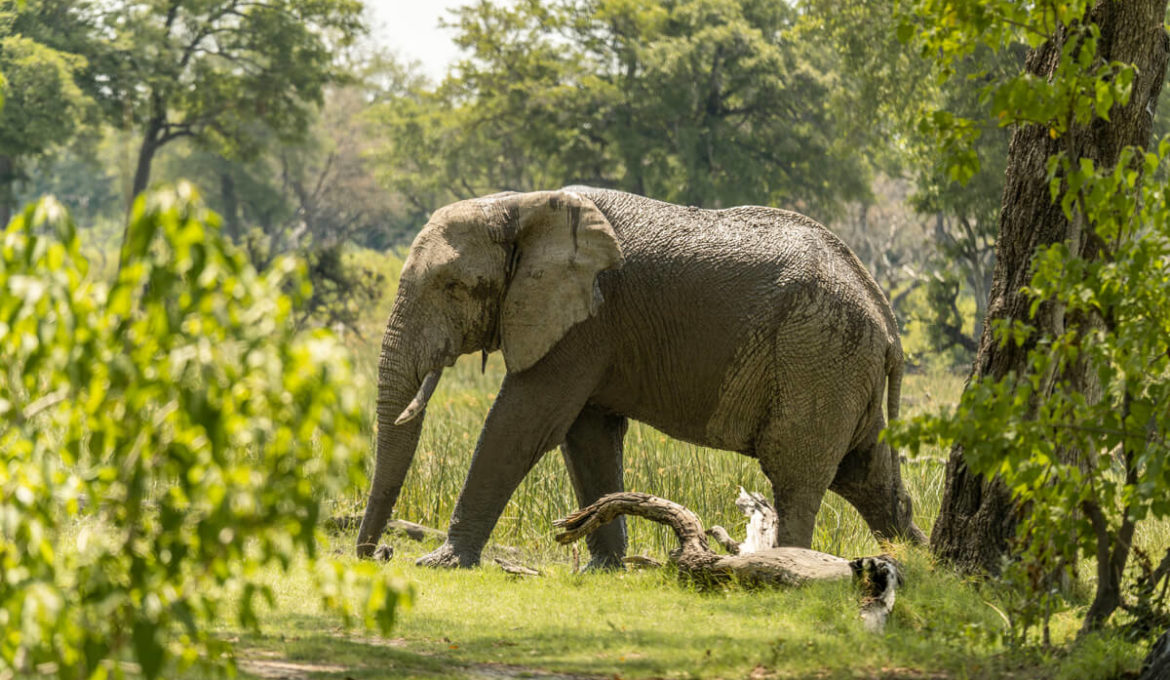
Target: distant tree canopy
<point>715,103</point>
<point>705,102</point>
<point>304,139</point>
<point>215,70</point>
<point>45,87</point>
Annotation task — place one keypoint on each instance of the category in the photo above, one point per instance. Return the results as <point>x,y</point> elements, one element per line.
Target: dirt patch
<point>500,671</point>
<point>277,669</point>
<point>396,643</point>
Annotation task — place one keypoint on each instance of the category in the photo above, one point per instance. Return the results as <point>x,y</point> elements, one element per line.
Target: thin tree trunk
<point>231,203</point>
<point>978,518</point>
<point>7,189</point>
<point>150,145</point>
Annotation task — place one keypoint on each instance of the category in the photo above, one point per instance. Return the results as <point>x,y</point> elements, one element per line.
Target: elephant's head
<point>509,271</point>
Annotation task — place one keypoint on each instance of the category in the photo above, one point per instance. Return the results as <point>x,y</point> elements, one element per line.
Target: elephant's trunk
<point>396,443</point>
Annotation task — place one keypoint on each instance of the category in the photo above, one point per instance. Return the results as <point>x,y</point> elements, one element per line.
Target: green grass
<point>646,624</point>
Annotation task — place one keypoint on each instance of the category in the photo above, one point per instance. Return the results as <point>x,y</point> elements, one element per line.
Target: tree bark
<point>231,203</point>
<point>1157,664</point>
<point>7,189</point>
<point>978,517</point>
<point>694,557</point>
<point>150,144</point>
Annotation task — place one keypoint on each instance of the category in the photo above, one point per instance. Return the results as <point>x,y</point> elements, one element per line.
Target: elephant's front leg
<point>593,455</point>
<point>530,416</point>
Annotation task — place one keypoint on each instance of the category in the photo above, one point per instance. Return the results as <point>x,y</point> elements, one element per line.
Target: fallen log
<point>785,566</point>
<point>515,568</point>
<point>761,528</point>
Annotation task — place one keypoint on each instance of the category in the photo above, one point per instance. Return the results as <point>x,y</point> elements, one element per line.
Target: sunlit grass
<point>646,624</point>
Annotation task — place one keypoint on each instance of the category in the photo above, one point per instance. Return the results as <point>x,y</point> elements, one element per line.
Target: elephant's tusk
<point>420,400</point>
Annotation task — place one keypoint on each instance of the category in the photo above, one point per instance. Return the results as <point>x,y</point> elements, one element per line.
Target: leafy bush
<point>162,438</point>
<point>1079,435</point>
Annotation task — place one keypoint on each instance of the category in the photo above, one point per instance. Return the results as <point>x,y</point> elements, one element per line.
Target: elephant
<point>748,329</point>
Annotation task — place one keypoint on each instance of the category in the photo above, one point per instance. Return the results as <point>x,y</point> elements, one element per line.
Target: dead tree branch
<point>786,566</point>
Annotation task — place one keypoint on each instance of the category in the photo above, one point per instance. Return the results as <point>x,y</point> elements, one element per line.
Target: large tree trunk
<point>978,517</point>
<point>142,169</point>
<point>150,145</point>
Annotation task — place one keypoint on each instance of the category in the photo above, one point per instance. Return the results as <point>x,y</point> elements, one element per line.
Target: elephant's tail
<point>894,364</point>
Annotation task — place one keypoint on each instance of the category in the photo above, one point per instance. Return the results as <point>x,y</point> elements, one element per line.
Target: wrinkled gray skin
<point>749,329</point>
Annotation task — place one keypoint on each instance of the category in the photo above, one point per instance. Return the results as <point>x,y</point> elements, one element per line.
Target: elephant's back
<point>783,254</point>
<point>739,306</point>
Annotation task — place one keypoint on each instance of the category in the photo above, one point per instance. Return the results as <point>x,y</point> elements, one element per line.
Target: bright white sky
<point>411,28</point>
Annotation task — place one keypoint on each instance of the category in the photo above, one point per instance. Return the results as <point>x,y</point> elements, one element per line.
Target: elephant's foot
<point>912,534</point>
<point>448,557</point>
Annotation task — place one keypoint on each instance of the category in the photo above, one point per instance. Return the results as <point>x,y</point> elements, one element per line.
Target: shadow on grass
<point>338,654</point>
<point>528,654</point>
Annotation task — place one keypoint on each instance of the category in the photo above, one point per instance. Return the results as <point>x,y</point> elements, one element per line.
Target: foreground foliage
<point>162,440</point>
<point>1075,419</point>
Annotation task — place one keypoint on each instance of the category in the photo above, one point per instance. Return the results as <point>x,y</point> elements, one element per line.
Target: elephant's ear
<point>562,242</point>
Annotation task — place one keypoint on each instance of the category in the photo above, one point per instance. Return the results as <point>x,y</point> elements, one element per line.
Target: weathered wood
<point>773,566</point>
<point>761,528</point>
<point>641,562</point>
<point>724,539</point>
<point>880,578</point>
<point>786,566</point>
<point>686,524</point>
<point>516,568</point>
<point>762,521</point>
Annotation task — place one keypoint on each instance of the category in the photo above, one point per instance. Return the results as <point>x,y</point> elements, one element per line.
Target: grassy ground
<point>484,623</point>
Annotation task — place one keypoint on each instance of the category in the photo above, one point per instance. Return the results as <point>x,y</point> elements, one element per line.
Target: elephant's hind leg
<point>593,455</point>
<point>870,479</point>
<point>800,461</point>
<point>797,498</point>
